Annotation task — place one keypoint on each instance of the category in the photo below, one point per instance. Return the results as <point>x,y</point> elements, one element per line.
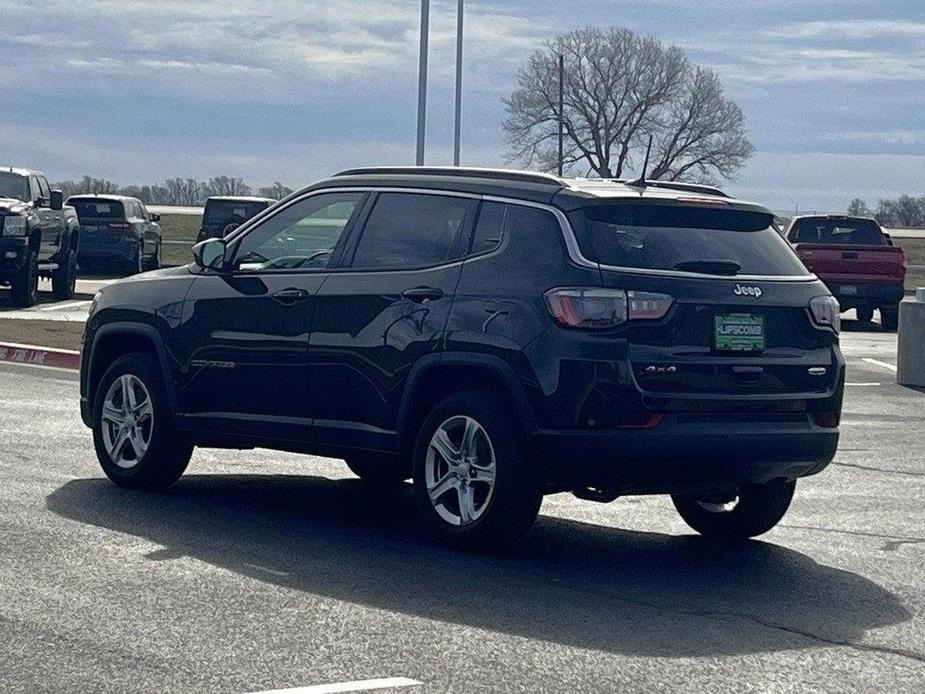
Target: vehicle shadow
<point>571,583</point>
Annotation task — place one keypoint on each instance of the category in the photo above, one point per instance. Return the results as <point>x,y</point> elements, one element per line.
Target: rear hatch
<point>101,221</point>
<point>718,303</point>
<point>847,250</point>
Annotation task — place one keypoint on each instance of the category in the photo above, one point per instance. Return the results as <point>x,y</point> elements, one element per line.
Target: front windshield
<point>14,186</point>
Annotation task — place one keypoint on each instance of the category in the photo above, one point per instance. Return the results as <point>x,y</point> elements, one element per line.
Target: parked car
<point>856,260</point>
<point>118,231</point>
<point>39,237</point>
<point>224,214</point>
<point>493,335</point>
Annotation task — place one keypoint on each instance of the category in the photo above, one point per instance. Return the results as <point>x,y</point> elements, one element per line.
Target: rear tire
<point>889,318</point>
<point>865,314</point>
<point>760,507</point>
<point>64,280</point>
<point>25,287</point>
<point>152,455</point>
<point>490,499</point>
<point>378,468</point>
<point>154,262</point>
<point>137,264</point>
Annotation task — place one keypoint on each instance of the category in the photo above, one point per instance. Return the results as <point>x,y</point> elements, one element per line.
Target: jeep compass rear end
<point>493,335</point>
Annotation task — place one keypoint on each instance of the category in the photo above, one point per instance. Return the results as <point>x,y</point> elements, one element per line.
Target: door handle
<point>290,296</point>
<point>422,295</point>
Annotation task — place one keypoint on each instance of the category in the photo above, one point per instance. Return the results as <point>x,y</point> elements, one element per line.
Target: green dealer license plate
<point>739,332</point>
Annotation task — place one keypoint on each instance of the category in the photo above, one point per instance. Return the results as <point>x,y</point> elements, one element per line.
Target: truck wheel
<point>133,432</point>
<point>25,287</point>
<point>889,318</point>
<point>737,516</point>
<point>378,468</point>
<point>64,279</point>
<point>865,314</point>
<point>471,481</point>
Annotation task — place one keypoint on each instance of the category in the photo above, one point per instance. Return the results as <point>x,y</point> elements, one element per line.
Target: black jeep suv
<point>494,335</point>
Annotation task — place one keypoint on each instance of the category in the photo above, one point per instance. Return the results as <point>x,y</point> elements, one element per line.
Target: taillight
<point>577,307</point>
<point>826,312</point>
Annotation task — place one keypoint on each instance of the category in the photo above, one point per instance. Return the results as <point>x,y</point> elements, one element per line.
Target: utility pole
<point>561,106</point>
<point>459,72</point>
<point>422,80</point>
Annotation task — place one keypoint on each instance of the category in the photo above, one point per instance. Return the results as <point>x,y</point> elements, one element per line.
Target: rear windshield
<point>229,212</point>
<point>856,232</point>
<point>14,186</point>
<point>685,239</point>
<point>89,208</point>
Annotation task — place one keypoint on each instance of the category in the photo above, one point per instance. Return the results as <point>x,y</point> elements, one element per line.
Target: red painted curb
<point>39,356</point>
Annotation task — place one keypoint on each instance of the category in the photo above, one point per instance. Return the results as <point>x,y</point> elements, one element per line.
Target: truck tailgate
<point>846,263</point>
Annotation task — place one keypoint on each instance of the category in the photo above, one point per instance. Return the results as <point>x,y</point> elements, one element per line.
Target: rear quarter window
<point>682,238</point>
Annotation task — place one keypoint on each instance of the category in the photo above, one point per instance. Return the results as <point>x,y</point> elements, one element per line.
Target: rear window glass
<point>228,211</point>
<point>105,209</point>
<point>858,232</point>
<point>683,238</point>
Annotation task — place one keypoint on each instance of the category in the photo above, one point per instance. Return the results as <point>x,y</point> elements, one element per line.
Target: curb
<point>39,356</point>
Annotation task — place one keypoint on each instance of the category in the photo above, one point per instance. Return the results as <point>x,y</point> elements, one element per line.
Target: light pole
<point>561,106</point>
<point>459,56</point>
<point>422,80</point>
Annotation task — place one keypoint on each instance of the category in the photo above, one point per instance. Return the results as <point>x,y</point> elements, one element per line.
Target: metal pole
<point>459,57</point>
<point>422,80</point>
<point>561,107</point>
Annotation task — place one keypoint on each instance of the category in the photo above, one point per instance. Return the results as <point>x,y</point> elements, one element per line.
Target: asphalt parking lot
<point>262,570</point>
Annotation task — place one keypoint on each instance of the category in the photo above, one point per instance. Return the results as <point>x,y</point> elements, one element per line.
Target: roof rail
<point>496,174</point>
<point>677,185</point>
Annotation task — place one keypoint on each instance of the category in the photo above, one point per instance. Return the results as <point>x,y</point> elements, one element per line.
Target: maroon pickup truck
<point>856,260</point>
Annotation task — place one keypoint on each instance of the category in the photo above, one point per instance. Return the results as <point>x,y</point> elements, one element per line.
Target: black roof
<point>565,193</point>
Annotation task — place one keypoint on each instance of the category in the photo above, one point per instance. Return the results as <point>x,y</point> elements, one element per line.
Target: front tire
<point>865,314</point>
<point>471,480</point>
<point>889,318</point>
<point>133,431</point>
<point>64,280</point>
<point>25,288</point>
<point>753,511</point>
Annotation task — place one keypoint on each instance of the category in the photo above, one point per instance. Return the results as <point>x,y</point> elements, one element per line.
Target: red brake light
<point>577,307</point>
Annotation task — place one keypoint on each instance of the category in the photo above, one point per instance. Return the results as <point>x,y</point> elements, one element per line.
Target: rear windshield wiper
<point>710,267</point>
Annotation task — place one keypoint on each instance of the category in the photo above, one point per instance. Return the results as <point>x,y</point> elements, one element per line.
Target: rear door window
<point>682,238</point>
<point>490,228</point>
<point>412,230</point>
<point>855,232</point>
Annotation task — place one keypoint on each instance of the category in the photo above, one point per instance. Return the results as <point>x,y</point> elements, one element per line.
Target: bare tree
<point>619,88</point>
<point>277,191</point>
<point>858,208</point>
<point>184,191</point>
<point>227,185</point>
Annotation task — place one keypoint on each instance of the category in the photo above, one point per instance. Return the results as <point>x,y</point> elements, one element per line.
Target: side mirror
<point>889,239</point>
<point>57,200</point>
<point>210,254</point>
<point>155,217</point>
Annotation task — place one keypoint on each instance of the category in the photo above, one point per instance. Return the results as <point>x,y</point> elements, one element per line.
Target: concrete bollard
<point>910,357</point>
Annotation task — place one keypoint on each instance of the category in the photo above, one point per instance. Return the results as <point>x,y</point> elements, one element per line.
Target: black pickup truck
<point>38,237</point>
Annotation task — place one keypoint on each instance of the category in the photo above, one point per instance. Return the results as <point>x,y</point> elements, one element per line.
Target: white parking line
<point>863,384</point>
<point>61,307</point>
<point>883,364</point>
<point>341,687</point>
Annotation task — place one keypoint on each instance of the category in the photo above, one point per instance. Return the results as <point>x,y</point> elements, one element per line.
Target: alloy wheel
<point>127,420</point>
<point>459,470</point>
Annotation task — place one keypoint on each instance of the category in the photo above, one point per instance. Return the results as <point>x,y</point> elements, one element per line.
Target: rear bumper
<point>684,454</point>
<point>855,294</point>
<point>121,249</point>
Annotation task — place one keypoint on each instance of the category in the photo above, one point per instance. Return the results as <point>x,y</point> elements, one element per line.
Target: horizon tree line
<point>173,191</point>
<point>904,211</point>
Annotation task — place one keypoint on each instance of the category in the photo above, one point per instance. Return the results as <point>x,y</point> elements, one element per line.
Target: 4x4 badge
<point>743,290</point>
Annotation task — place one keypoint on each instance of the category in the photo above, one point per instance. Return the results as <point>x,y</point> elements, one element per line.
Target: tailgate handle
<point>849,256</point>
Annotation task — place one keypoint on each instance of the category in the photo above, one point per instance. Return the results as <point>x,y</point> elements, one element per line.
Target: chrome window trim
<point>574,251</point>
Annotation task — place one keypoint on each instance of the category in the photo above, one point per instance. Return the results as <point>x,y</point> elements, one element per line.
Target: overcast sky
<point>833,92</point>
